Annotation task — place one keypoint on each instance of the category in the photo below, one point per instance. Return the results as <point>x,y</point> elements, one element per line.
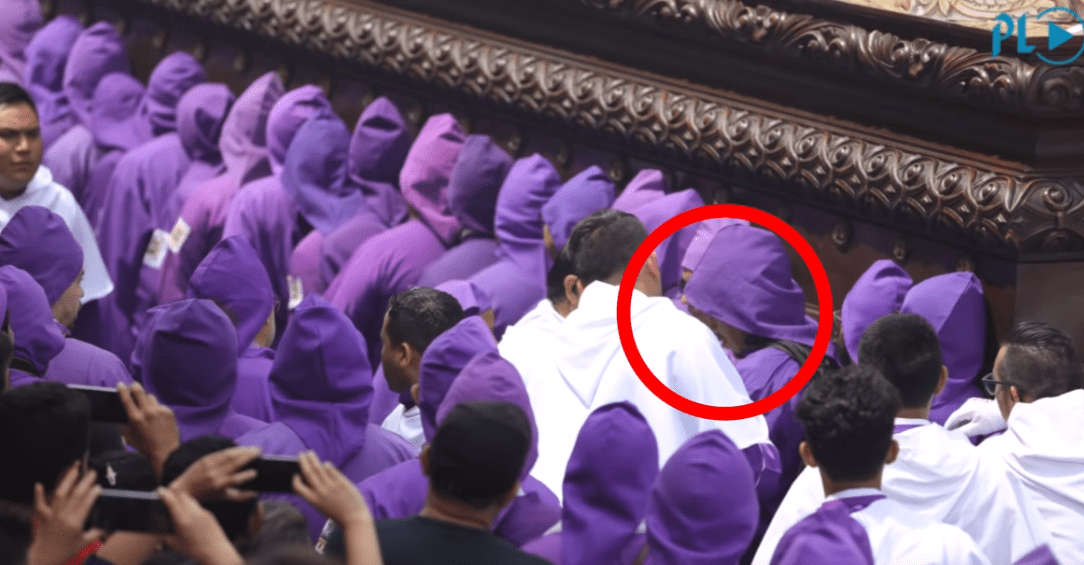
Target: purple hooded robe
<point>692,519</point>
<point>745,282</point>
<point>583,195</point>
<point>321,387</point>
<point>647,186</point>
<point>261,211</point>
<point>190,365</point>
<point>38,339</point>
<point>46,56</point>
<point>828,536</point>
<point>377,150</point>
<point>234,278</point>
<point>401,491</point>
<point>705,232</point>
<point>97,52</point>
<point>472,196</point>
<point>672,250</point>
<point>131,236</point>
<point>203,215</point>
<point>953,304</point>
<point>607,484</point>
<point>392,261</point>
<point>39,242</point>
<point>517,281</point>
<point>22,19</point>
<point>878,292</point>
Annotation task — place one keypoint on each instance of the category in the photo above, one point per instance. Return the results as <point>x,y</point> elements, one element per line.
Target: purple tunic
<point>97,52</point>
<point>116,129</point>
<point>401,491</point>
<point>234,278</point>
<point>472,196</point>
<point>394,260</point>
<point>878,292</point>
<point>22,19</point>
<point>190,364</point>
<point>261,212</point>
<point>132,241</point>
<point>517,281</point>
<point>583,195</point>
<point>745,282</point>
<point>826,537</point>
<point>38,339</point>
<point>672,250</point>
<point>321,387</point>
<point>691,520</point>
<point>647,186</point>
<point>609,477</point>
<point>200,222</point>
<point>953,304</point>
<point>46,56</point>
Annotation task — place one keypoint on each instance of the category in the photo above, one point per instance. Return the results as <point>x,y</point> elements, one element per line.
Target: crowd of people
<point>421,328</point>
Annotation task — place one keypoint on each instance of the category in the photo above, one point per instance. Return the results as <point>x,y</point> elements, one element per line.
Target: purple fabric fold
<point>878,292</point>
<point>46,57</point>
<point>648,185</point>
<point>582,195</point>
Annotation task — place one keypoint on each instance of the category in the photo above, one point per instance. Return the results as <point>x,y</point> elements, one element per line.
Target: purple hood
<point>22,19</point>
<point>427,170</point>
<point>200,117</point>
<point>878,292</point>
<point>473,299</point>
<point>115,121</point>
<point>46,57</point>
<point>475,182</point>
<point>39,242</point>
<point>98,51</point>
<point>37,338</point>
<point>314,174</point>
<point>243,141</point>
<point>647,186</point>
<point>442,362</point>
<point>377,151</point>
<point>232,276</point>
<point>289,113</point>
<point>672,250</point>
<point>705,231</point>
<point>583,195</point>
<point>169,81</point>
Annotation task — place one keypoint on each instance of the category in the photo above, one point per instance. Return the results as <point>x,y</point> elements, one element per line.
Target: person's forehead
<point>18,116</point>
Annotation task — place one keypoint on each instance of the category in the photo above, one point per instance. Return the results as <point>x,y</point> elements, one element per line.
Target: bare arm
<point>338,499</point>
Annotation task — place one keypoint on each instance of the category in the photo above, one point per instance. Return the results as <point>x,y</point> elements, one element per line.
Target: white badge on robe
<point>297,291</point>
<point>156,250</point>
<point>179,235</point>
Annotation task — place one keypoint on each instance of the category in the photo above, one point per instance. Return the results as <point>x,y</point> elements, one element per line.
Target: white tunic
<point>591,370</point>
<point>406,424</point>
<point>42,191</point>
<point>1044,448</point>
<point>940,476</point>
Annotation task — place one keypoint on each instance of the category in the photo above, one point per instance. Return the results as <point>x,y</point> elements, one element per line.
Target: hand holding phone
<point>105,404</point>
<point>130,511</point>
<point>273,474</point>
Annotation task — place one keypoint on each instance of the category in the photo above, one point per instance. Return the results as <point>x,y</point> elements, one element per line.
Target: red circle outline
<point>824,321</point>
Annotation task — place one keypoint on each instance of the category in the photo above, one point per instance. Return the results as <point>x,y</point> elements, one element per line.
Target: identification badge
<point>179,235</point>
<point>156,250</point>
<point>297,291</point>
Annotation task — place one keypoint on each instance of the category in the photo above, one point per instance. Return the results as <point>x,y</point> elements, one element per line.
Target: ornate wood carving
<point>958,199</point>
<point>948,71</point>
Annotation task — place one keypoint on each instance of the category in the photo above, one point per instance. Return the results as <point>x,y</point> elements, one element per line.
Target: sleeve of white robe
<point>96,281</point>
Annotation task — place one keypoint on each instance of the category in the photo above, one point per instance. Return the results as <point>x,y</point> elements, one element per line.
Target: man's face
<point>20,147</point>
<point>394,360</point>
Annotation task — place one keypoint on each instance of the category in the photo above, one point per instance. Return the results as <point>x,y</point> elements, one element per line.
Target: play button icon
<point>1056,36</point>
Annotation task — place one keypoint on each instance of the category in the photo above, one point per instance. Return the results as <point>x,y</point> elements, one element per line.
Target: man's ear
<point>653,264</point>
<point>507,497</point>
<point>423,457</point>
<point>893,452</point>
<point>944,379</point>
<point>573,289</point>
<point>807,454</point>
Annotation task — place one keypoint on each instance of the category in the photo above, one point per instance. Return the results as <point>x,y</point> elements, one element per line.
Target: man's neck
<point>832,486</point>
<point>915,413</point>
<point>444,510</point>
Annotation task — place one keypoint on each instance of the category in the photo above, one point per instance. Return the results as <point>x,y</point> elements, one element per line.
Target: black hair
<point>417,316</point>
<point>848,416</point>
<point>1040,359</point>
<point>44,429</point>
<point>555,279</point>
<point>16,534</point>
<point>283,526</point>
<point>602,244</point>
<point>904,348</point>
<point>11,93</point>
<point>232,516</point>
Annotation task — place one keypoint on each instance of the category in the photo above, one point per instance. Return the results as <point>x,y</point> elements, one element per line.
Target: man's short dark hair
<point>44,429</point>
<point>232,516</point>
<point>11,93</point>
<point>283,526</point>
<point>417,316</point>
<point>16,534</point>
<point>478,452</point>
<point>602,244</point>
<point>1041,360</point>
<point>555,279</point>
<point>848,416</point>
<point>904,348</point>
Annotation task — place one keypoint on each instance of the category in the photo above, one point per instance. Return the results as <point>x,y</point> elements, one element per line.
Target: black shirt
<point>425,541</point>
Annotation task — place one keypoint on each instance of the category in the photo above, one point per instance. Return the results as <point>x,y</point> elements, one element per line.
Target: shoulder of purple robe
<point>340,244</point>
<point>81,363</point>
<point>253,397</point>
<point>236,425</point>
<point>512,292</point>
<point>383,450</point>
<point>20,378</point>
<point>275,439</point>
<point>529,515</point>
<point>398,492</point>
<point>547,547</point>
<point>461,262</point>
<point>829,536</point>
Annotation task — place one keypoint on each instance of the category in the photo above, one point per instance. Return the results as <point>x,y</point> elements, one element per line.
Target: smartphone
<point>273,474</point>
<point>130,511</point>
<point>105,404</point>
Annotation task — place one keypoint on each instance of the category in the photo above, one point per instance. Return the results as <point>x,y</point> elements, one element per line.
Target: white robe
<point>406,424</point>
<point>1044,448</point>
<point>42,191</point>
<point>592,371</point>
<point>899,536</point>
<point>940,476</point>
<point>530,345</point>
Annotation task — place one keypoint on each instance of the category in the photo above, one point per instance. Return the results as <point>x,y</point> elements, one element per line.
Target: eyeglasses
<point>990,384</point>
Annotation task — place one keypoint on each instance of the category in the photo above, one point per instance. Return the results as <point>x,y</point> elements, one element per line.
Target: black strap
<point>800,353</point>
<point>24,366</point>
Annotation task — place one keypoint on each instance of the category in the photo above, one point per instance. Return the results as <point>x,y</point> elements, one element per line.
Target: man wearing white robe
<point>1038,379</point>
<point>938,474</point>
<point>590,367</point>
<point>25,182</point>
